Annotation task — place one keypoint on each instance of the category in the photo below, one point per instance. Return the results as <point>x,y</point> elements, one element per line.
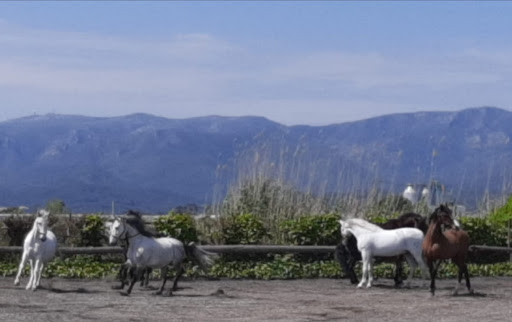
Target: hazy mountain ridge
<point>154,164</point>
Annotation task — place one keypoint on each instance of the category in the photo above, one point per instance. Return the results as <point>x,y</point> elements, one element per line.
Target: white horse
<point>375,241</point>
<point>146,251</point>
<point>39,248</point>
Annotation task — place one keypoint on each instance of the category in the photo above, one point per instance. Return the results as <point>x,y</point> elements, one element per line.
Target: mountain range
<point>155,164</point>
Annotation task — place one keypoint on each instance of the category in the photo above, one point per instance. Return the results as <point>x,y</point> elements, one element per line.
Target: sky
<point>294,62</point>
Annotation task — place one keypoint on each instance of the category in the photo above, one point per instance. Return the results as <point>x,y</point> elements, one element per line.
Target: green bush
<point>17,228</point>
<point>312,230</point>
<point>243,229</point>
<point>93,231</point>
<point>482,231</point>
<point>179,226</point>
<point>502,215</point>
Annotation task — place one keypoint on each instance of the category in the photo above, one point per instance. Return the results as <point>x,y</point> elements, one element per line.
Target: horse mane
<point>409,219</point>
<point>438,211</point>
<point>134,219</point>
<point>361,223</point>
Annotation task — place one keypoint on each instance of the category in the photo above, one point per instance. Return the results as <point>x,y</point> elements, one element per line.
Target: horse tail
<point>201,257</point>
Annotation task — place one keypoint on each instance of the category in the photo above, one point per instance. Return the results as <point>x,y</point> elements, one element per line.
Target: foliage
<point>17,228</point>
<point>243,229</point>
<point>278,267</point>
<point>92,232</point>
<point>502,215</point>
<point>312,230</point>
<point>179,226</point>
<point>483,232</point>
<point>271,201</point>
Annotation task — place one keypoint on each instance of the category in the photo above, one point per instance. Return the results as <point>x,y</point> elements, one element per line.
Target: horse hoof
<point>17,283</point>
<point>158,293</point>
<point>471,291</point>
<point>124,293</point>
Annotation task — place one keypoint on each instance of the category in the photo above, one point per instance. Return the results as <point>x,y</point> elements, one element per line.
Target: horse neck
<point>434,233</point>
<point>33,232</point>
<point>133,236</point>
<point>357,230</point>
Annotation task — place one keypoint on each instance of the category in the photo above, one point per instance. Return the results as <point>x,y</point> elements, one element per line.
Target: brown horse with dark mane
<point>440,244</point>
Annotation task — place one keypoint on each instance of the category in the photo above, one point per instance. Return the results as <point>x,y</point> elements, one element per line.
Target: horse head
<point>344,228</point>
<point>41,224</point>
<point>442,215</point>
<point>117,230</point>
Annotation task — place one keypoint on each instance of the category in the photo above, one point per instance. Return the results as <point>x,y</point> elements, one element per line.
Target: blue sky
<point>295,62</point>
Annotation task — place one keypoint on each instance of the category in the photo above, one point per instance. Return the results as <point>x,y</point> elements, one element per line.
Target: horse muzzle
<point>43,239</point>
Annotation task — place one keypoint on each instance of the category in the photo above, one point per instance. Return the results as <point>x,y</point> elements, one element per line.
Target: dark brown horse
<point>448,244</point>
<point>347,253</point>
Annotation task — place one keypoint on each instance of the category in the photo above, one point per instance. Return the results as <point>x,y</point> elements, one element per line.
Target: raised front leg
<point>135,278</point>
<point>21,267</point>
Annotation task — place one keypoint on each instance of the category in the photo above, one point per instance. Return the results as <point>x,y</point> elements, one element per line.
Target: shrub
<point>502,215</point>
<point>179,226</point>
<point>17,228</point>
<point>313,230</point>
<point>92,232</point>
<point>482,231</point>
<point>243,229</point>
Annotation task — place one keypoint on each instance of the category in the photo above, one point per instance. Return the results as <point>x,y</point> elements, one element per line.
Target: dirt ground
<point>254,300</point>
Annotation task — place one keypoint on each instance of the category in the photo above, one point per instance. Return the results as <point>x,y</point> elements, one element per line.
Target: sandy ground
<point>254,300</point>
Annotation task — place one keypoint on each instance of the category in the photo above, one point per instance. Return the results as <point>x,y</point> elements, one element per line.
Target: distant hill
<point>155,164</point>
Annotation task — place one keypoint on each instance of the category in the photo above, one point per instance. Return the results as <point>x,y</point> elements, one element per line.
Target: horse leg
<point>179,271</point>
<point>346,261</point>
<point>370,272</point>
<point>420,261</point>
<point>21,267</point>
<point>163,272</point>
<point>123,277</point>
<point>412,267</point>
<point>135,277</point>
<point>433,271</point>
<point>29,284</point>
<point>398,271</point>
<point>366,261</point>
<point>464,270</point>
<point>39,273</point>
<point>35,273</point>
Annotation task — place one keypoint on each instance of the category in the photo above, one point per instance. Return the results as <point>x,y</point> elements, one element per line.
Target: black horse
<point>347,253</point>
